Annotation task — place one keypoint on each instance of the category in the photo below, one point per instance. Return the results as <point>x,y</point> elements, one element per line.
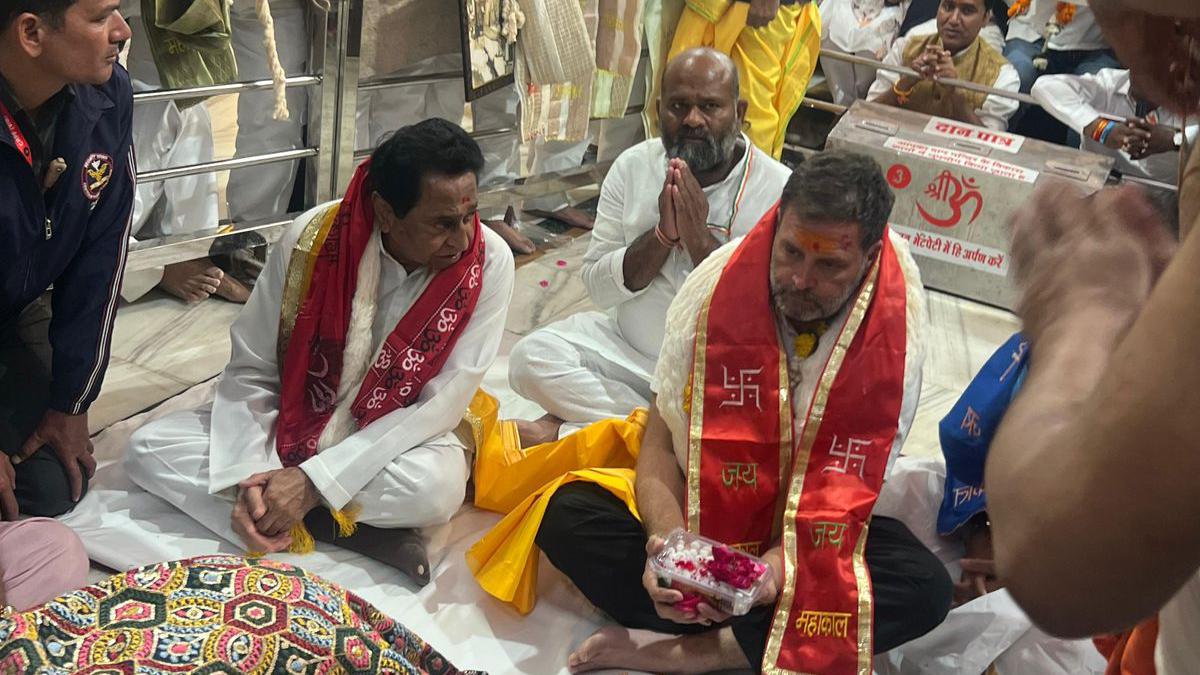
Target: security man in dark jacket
<point>66,195</point>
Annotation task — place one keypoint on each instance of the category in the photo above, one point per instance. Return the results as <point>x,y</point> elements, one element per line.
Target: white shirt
<point>1178,651</point>
<point>628,209</point>
<point>246,407</point>
<point>861,26</point>
<point>675,361</point>
<point>1077,100</point>
<point>1082,33</point>
<point>995,110</point>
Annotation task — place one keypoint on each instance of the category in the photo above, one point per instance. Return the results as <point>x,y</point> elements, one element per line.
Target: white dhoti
<point>864,28</point>
<point>847,82</point>
<point>990,630</point>
<point>264,191</point>
<point>166,136</point>
<point>170,458</point>
<point>581,369</point>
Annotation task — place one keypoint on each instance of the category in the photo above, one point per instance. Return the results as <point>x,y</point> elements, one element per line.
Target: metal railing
<point>951,82</point>
<point>334,86</point>
<point>221,89</point>
<point>225,164</point>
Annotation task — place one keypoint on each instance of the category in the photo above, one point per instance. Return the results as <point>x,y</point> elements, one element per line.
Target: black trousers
<point>42,485</point>
<point>591,536</point>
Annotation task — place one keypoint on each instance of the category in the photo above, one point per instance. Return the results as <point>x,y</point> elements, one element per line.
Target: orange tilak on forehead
<point>820,243</point>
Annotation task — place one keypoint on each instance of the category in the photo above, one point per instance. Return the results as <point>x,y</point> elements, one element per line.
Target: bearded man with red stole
<point>353,363</point>
<point>787,382</point>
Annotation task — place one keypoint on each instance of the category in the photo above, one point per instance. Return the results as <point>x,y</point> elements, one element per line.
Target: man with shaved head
<point>775,44</point>
<point>665,205</point>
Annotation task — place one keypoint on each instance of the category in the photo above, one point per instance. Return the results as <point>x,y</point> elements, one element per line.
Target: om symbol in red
<point>955,192</point>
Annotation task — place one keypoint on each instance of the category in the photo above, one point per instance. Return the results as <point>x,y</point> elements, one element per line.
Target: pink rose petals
<point>707,571</point>
<point>690,603</point>
<point>733,568</point>
<point>544,284</point>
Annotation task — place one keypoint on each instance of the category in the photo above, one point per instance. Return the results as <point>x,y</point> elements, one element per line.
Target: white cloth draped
<point>988,631</point>
<point>864,28</point>
<point>164,136</point>
<point>675,360</point>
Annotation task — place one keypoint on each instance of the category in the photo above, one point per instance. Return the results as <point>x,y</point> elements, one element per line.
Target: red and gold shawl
<point>746,459</point>
<point>316,316</point>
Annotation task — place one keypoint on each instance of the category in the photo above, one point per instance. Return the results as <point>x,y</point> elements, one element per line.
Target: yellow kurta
<point>775,62</point>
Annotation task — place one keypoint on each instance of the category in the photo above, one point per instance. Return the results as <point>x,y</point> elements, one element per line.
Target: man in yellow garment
<point>775,44</point>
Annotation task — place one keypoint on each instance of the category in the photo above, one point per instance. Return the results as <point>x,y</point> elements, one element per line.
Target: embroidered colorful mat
<point>209,615</point>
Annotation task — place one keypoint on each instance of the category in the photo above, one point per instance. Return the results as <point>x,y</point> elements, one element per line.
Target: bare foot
<point>627,649</point>
<point>630,649</point>
<point>192,280</point>
<point>535,432</point>
<point>569,215</point>
<point>507,229</point>
<point>402,548</point>
<point>233,290</point>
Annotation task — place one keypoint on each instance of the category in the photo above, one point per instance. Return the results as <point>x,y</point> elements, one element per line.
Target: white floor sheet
<point>124,527</point>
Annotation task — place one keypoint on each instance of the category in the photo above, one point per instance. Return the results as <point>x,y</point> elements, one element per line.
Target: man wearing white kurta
<point>406,469</point>
<point>715,184</point>
<point>1149,148</point>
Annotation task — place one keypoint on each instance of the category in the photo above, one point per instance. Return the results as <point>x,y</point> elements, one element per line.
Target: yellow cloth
<point>521,483</point>
<point>505,561</point>
<point>979,63</point>
<point>775,62</point>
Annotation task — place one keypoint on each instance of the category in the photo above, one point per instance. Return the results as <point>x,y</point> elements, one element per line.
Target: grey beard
<point>705,156</point>
<point>820,313</point>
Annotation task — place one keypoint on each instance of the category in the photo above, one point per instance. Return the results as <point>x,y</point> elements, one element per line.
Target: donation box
<point>956,187</point>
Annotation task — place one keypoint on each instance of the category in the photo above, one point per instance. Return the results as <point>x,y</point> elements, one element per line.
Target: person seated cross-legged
<point>664,207</point>
<point>353,364</point>
<point>788,380</point>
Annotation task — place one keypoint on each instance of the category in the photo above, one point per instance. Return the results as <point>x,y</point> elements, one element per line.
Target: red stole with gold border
<point>744,450</point>
<point>411,355</point>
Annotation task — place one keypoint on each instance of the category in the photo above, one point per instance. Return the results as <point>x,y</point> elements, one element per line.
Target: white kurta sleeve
<point>1073,100</point>
<point>603,269</point>
<point>341,471</point>
<point>886,79</point>
<point>242,439</point>
<point>997,110</point>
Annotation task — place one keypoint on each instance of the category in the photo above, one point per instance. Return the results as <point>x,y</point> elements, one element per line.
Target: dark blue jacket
<point>75,236</point>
